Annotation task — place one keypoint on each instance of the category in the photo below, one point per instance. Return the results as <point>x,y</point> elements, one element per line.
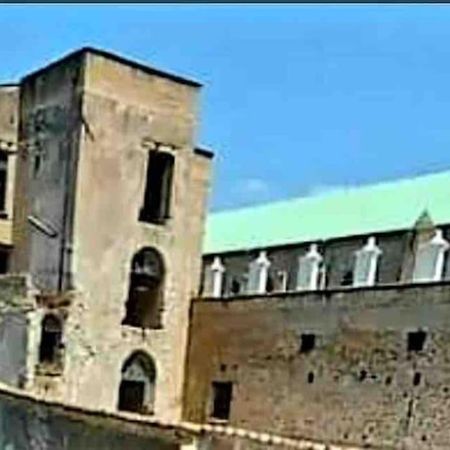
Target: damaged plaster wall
<point>15,310</point>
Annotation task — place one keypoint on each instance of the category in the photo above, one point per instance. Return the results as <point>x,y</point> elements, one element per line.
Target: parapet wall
<point>28,423</point>
<point>359,385</point>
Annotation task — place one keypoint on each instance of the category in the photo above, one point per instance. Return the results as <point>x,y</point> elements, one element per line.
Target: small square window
<point>416,340</point>
<point>222,394</point>
<point>308,342</point>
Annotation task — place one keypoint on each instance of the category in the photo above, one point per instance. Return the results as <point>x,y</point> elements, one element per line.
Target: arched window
<point>137,385</point>
<point>51,340</point>
<point>429,260</point>
<point>145,296</point>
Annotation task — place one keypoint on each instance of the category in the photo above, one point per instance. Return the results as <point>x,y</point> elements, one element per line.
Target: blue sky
<point>298,99</point>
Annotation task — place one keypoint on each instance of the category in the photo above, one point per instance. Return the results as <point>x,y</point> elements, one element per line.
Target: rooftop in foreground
<point>119,59</point>
<point>383,207</point>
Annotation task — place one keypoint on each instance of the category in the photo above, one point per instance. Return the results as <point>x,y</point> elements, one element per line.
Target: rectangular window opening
<point>156,207</point>
<point>416,340</point>
<point>307,342</point>
<point>222,394</point>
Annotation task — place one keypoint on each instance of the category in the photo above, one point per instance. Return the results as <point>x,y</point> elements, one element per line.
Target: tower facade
<point>109,214</point>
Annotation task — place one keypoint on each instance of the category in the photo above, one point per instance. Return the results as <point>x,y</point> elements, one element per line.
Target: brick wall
<point>359,385</point>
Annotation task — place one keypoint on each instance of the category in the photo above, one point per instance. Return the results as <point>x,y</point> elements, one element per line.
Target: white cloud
<point>252,187</point>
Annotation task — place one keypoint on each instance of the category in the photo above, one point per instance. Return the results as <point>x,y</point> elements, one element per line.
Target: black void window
<point>416,341</point>
<point>137,385</point>
<point>4,261</point>
<point>222,394</point>
<point>307,342</point>
<point>347,278</point>
<point>51,340</point>
<point>156,206</point>
<point>144,305</point>
<point>3,182</point>
<point>235,286</point>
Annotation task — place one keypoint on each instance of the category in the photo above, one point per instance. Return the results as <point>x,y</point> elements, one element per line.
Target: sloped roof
<point>383,207</point>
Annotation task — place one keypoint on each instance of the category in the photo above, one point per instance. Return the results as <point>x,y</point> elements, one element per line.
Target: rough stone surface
<point>92,121</point>
<point>356,386</point>
<point>28,424</point>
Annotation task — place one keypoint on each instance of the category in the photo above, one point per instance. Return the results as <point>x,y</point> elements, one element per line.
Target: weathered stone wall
<point>126,113</point>
<point>89,122</point>
<point>359,385</point>
<point>49,127</point>
<point>9,112</point>
<point>28,424</point>
<point>15,308</point>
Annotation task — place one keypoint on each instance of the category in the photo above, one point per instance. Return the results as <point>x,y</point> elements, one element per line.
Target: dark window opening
<point>270,285</point>
<point>222,394</point>
<point>3,180</point>
<point>347,279</point>
<point>37,163</point>
<point>235,287</point>
<point>4,261</point>
<point>310,378</point>
<point>51,340</point>
<point>417,378</point>
<point>131,395</point>
<point>137,386</point>
<point>156,207</point>
<point>145,296</point>
<point>388,380</point>
<point>308,342</point>
<point>416,340</point>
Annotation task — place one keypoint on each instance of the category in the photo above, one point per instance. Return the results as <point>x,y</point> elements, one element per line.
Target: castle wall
<point>126,114</point>
<point>359,385</point>
<point>27,423</point>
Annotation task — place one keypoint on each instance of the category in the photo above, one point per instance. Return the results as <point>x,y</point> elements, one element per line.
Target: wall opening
<point>158,188</point>
<point>416,340</point>
<point>4,260</point>
<point>137,385</point>
<point>417,378</point>
<point>221,403</point>
<point>51,340</point>
<point>307,342</point>
<point>235,287</point>
<point>347,278</point>
<point>310,378</point>
<point>146,289</point>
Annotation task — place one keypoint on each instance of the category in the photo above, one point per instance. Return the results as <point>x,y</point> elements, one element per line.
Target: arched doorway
<point>137,385</point>
<point>145,296</point>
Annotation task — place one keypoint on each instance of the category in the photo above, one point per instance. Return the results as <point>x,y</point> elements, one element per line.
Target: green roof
<point>383,207</point>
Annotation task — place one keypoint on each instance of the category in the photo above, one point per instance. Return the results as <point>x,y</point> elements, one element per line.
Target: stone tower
<point>109,215</point>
